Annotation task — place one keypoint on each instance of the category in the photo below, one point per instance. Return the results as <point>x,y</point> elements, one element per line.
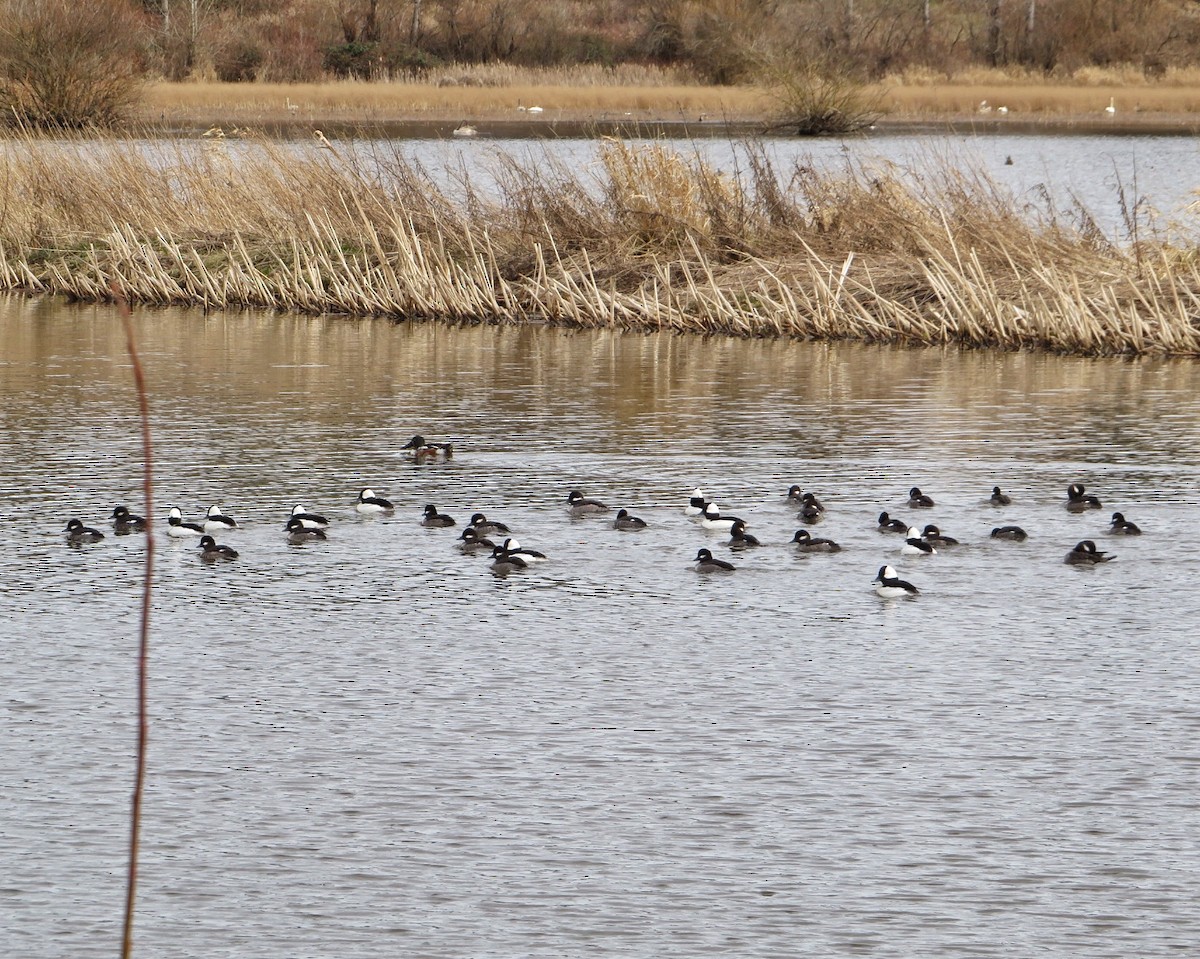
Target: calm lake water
<point>375,747</point>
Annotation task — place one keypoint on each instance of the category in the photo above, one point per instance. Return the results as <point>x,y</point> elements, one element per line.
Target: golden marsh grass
<point>656,241</point>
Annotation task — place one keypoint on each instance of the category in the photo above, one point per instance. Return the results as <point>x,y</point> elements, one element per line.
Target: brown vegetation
<point>660,242</point>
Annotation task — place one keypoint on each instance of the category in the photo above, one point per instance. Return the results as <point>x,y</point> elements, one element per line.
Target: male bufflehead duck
<point>706,564</point>
<point>931,534</point>
<point>78,533</point>
<point>424,451</point>
<point>999,499</point>
<point>888,584</point>
<point>1086,554</point>
<point>127,522</point>
<point>711,518</point>
<point>309,520</point>
<point>481,524</point>
<point>299,533</point>
<point>580,505</point>
<point>625,521</point>
<point>1077,502</point>
<point>435,519</point>
<point>506,562</point>
<point>1014,533</point>
<point>216,520</point>
<point>178,528</point>
<point>739,538</point>
<point>210,550</point>
<point>919,500</point>
<point>368,502</point>
<point>915,546</point>
<point>472,541</point>
<point>889,525</point>
<point>513,548</point>
<point>1122,526</point>
<point>805,543</point>
<point>696,503</point>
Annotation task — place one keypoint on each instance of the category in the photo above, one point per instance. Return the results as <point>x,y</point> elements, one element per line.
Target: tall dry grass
<point>654,240</point>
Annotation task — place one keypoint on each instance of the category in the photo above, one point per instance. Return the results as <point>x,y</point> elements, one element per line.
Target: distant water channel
<point>374,747</point>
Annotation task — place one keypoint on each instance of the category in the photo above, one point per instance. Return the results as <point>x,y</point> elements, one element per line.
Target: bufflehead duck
<point>368,502</point>
<point>810,513</point>
<point>999,499</point>
<point>931,534</point>
<point>1086,554</point>
<point>889,525</point>
<point>1077,502</point>
<point>625,521</point>
<point>696,503</point>
<point>127,522</point>
<point>424,451</point>
<point>210,550</point>
<point>810,499</point>
<point>580,505</point>
<point>506,562</point>
<point>473,541</point>
<point>216,520</point>
<point>1122,526</point>
<point>711,518</point>
<point>434,518</point>
<point>78,533</point>
<point>915,546</point>
<point>299,533</point>
<point>806,544</point>
<point>919,500</point>
<point>513,548</point>
<point>309,520</point>
<point>1014,533</point>
<point>739,538</point>
<point>178,528</point>
<point>706,564</point>
<point>795,493</point>
<point>481,524</point>
<point>888,584</point>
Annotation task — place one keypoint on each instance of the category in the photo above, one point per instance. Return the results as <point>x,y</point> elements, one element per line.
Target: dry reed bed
<point>654,241</point>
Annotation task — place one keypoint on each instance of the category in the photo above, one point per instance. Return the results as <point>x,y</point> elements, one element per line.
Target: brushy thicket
<point>657,241</point>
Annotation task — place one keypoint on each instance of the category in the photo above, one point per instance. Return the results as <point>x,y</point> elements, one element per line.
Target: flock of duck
<point>508,555</point>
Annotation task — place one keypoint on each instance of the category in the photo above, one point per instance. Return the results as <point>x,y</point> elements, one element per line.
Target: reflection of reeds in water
<point>660,242</point>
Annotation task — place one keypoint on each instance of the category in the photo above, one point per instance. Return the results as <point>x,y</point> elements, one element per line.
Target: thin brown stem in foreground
<point>143,726</point>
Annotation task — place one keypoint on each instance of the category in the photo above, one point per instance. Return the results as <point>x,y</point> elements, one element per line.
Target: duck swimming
<point>368,502</point>
<point>481,524</point>
<point>1014,533</point>
<point>423,451</point>
<point>78,533</point>
<point>580,505</point>
<point>216,520</point>
<point>915,546</point>
<point>712,518</point>
<point>472,541</point>
<point>999,499</point>
<point>178,528</point>
<point>919,500</point>
<point>1077,502</point>
<point>805,543</point>
<point>299,533</point>
<point>309,520</point>
<point>705,563</point>
<point>435,519</point>
<point>888,585</point>
<point>627,522</point>
<point>739,538</point>
<point>889,525</point>
<point>1122,526</point>
<point>1086,554</point>
<point>127,522</point>
<point>931,534</point>
<point>210,550</point>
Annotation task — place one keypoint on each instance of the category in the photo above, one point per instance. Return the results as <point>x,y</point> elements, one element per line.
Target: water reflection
<point>373,741</point>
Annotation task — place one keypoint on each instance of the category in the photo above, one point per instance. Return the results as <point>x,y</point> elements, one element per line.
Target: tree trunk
<point>994,32</point>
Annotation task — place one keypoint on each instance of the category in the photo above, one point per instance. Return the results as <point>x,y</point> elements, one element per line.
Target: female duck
<point>1077,502</point>
<point>211,551</point>
<point>435,519</point>
<point>918,500</point>
<point>931,534</point>
<point>178,528</point>
<point>705,563</point>
<point>807,544</point>
<point>889,525</point>
<point>299,533</point>
<point>1013,533</point>
<point>505,562</point>
<point>580,505</point>
<point>78,533</point>
<point>309,520</point>
<point>915,546</point>
<point>625,521</point>
<point>368,502</point>
<point>481,524</point>
<point>1123,527</point>
<point>739,538</point>
<point>999,499</point>
<point>1086,554</point>
<point>217,520</point>
<point>127,522</point>
<point>473,541</point>
<point>887,584</point>
<point>810,512</point>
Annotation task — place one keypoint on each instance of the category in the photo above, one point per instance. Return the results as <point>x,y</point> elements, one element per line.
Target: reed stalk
<point>651,239</point>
